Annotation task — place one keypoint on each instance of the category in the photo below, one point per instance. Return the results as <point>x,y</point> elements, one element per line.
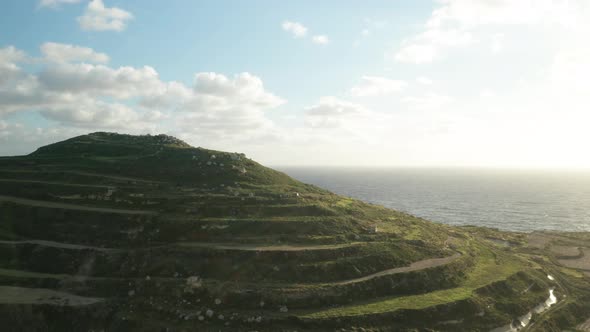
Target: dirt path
<point>257,247</point>
<point>61,245</point>
<point>114,177</point>
<point>23,274</point>
<point>21,295</point>
<point>56,183</point>
<point>416,266</point>
<point>580,263</point>
<point>205,245</point>
<point>55,205</point>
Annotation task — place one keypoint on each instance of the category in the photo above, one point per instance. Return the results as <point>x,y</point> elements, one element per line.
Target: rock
<point>209,313</point>
<point>220,317</point>
<point>131,292</point>
<point>262,304</point>
<point>284,308</point>
<point>148,278</point>
<point>217,301</point>
<point>194,282</point>
<point>201,318</point>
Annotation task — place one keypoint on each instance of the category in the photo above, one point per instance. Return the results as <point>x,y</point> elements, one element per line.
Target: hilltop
<point>156,157</point>
<point>147,233</point>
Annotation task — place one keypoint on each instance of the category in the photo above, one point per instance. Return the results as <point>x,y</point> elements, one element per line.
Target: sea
<point>513,200</point>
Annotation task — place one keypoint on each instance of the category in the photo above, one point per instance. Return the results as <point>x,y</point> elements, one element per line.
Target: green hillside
<point>146,233</point>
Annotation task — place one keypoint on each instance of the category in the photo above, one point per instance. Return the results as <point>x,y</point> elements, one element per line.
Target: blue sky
<point>181,38</point>
<point>387,83</point>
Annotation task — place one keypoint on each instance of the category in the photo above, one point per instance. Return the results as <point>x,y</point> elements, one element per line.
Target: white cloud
<point>473,13</point>
<point>457,22</point>
<point>245,90</point>
<point>97,17</point>
<point>331,112</point>
<point>424,80</point>
<point>497,44</point>
<point>320,39</point>
<point>60,53</point>
<point>428,101</point>
<point>377,86</point>
<point>224,107</point>
<point>97,97</point>
<point>487,93</point>
<point>429,45</point>
<point>9,56</point>
<point>92,113</point>
<point>297,29</point>
<point>56,3</point>
<point>120,83</point>
<point>10,72</point>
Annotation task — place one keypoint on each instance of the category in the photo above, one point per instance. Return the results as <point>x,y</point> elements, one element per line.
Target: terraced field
<point>145,233</point>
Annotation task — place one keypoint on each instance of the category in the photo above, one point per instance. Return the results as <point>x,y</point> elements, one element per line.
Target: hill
<point>146,233</point>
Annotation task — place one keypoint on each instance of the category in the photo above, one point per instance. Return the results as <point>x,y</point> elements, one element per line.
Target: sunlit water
<point>525,319</point>
<point>509,200</point>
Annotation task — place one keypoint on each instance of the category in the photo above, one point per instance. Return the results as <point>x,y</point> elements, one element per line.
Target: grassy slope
<point>489,268</point>
<point>243,203</point>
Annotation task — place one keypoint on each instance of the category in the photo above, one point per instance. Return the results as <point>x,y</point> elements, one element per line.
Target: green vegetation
<point>488,269</point>
<point>157,234</point>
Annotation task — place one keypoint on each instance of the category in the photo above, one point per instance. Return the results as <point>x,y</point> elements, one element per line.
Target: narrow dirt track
<point>61,245</point>
<point>580,263</point>
<point>255,247</point>
<point>56,183</point>
<point>416,266</point>
<point>200,245</point>
<point>55,205</point>
<point>22,295</point>
<point>113,177</point>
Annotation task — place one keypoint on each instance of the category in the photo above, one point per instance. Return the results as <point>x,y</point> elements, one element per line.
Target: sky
<point>445,83</point>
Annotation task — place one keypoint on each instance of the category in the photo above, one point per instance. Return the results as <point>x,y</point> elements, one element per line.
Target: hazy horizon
<point>504,168</point>
<point>522,200</point>
<point>450,83</point>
